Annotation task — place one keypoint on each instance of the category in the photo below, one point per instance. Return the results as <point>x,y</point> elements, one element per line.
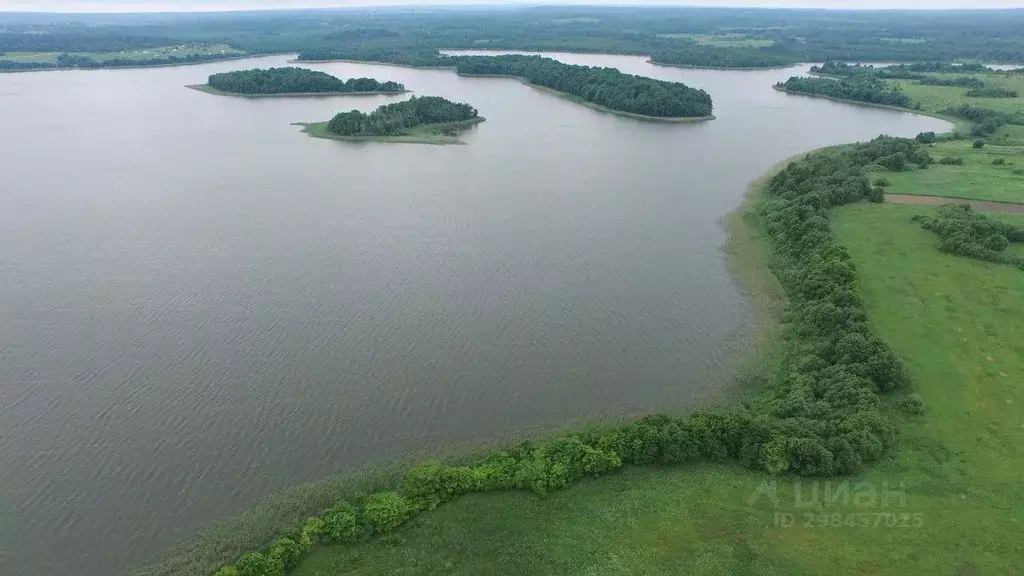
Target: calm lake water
<point>200,305</point>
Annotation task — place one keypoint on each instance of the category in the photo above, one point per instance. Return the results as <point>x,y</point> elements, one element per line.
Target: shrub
<point>258,564</point>
<point>949,161</point>
<point>882,181</point>
<point>911,404</point>
<point>999,162</point>
<point>285,552</point>
<point>431,483</point>
<point>978,144</point>
<point>562,461</point>
<point>386,511</point>
<point>927,138</point>
<point>311,532</point>
<point>895,162</point>
<point>339,523</point>
<point>227,571</point>
<point>877,194</point>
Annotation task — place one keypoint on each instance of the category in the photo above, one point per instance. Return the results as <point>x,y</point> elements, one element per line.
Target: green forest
<point>293,80</point>
<point>398,118</point>
<point>669,35</point>
<point>866,88</point>
<point>602,86</point>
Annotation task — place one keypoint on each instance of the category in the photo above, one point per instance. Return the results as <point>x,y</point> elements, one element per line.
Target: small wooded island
<point>602,88</point>
<point>280,82</point>
<point>422,120</point>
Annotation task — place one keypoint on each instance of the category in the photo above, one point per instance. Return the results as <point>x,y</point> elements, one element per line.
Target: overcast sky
<point>190,5</point>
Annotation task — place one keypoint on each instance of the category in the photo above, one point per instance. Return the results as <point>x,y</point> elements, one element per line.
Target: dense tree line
<point>295,80</point>
<point>398,118</point>
<point>390,54</point>
<point>413,37</point>
<point>603,86</point>
<point>720,57</point>
<point>991,92</point>
<point>821,417</point>
<point>959,81</point>
<point>967,233</point>
<point>986,120</point>
<point>860,88</point>
<point>78,61</point>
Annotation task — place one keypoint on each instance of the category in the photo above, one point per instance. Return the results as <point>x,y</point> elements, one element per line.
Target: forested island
<point>604,88</point>
<point>865,88</point>
<point>292,81</point>
<point>418,120</point>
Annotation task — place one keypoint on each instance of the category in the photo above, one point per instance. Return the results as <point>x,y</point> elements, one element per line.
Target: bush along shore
<point>820,415</point>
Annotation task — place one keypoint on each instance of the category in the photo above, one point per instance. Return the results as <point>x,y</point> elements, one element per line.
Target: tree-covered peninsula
<point>423,120</point>
<point>866,88</point>
<point>293,81</point>
<point>604,88</point>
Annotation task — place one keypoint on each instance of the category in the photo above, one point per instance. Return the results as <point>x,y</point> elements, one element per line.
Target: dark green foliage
<point>294,81</point>
<point>386,511</point>
<point>604,86</point>
<point>882,182</point>
<point>991,92</point>
<point>978,144</point>
<point>398,118</point>
<point>927,138</point>
<point>911,404</point>
<point>951,161</point>
<point>877,195</point>
<point>859,88</point>
<point>962,81</point>
<point>260,564</point>
<point>986,120</point>
<point>431,483</point>
<point>285,552</point>
<point>999,162</point>
<point>339,524</point>
<point>720,57</point>
<point>968,233</point>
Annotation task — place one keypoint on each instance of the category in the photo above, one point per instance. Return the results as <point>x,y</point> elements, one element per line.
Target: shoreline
<point>654,62</point>
<point>423,134</point>
<point>373,62</point>
<point>141,66</point>
<point>207,89</point>
<point>578,100</point>
<point>956,122</point>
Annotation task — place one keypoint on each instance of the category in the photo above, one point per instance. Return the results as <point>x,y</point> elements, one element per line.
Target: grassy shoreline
<point>206,88</point>
<point>958,123</point>
<point>423,134</point>
<point>578,100</point>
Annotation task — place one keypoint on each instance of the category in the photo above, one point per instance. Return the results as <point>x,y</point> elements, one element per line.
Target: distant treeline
<point>603,86</point>
<point>396,119</point>
<point>721,57</point>
<point>294,81</point>
<point>914,71</point>
<point>76,61</point>
<point>859,88</point>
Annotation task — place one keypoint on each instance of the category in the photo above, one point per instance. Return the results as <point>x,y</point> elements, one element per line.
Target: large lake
<point>200,305</point>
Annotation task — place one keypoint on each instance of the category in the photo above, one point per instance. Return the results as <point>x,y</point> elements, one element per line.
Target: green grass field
<point>954,321</point>
<point>938,98</point>
<point>977,179</point>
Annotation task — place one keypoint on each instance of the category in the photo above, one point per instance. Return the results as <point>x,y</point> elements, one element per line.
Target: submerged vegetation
<point>277,81</point>
<point>605,87</point>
